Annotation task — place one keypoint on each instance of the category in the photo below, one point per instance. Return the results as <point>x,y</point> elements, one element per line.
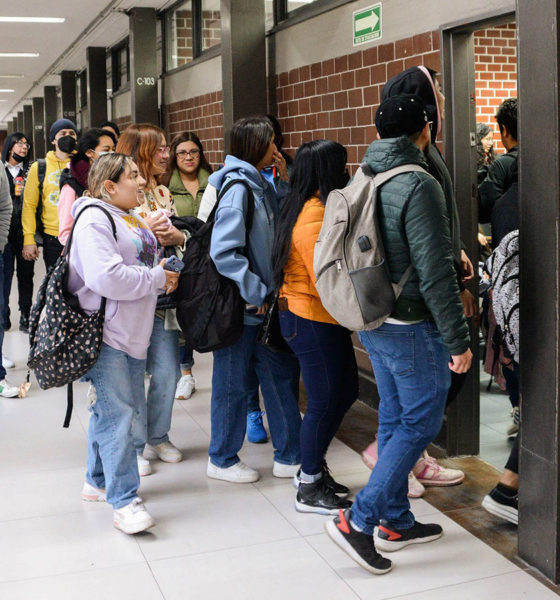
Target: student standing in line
<point>63,135</point>
<point>15,153</point>
<point>186,178</point>
<point>147,145</point>
<point>124,271</point>
<point>113,128</point>
<point>251,149</point>
<point>324,348</point>
<point>73,181</point>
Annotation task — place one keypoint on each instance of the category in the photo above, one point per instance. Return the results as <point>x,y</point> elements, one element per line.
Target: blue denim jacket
<point>228,235</point>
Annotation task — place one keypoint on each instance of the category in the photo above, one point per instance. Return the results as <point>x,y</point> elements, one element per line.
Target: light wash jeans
<point>153,418</point>
<point>413,377</point>
<point>278,375</point>
<point>119,383</point>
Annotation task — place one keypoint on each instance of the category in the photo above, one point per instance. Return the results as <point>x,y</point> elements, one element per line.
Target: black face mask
<point>67,144</point>
<point>18,158</point>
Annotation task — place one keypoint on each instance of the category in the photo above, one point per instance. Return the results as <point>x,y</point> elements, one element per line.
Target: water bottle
<point>18,184</point>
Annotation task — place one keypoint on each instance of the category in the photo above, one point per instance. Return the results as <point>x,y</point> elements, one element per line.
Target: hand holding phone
<point>174,264</point>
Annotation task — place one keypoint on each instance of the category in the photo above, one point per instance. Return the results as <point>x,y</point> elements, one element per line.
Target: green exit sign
<point>367,24</point>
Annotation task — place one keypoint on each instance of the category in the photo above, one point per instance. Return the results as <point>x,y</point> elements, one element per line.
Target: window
<point>179,35</point>
<point>295,4</point>
<point>120,65</point>
<point>269,14</point>
<point>211,24</point>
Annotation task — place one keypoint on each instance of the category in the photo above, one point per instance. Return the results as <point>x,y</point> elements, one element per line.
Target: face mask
<point>67,144</point>
<point>103,153</point>
<point>18,158</point>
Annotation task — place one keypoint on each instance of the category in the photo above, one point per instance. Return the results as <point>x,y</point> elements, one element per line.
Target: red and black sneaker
<point>389,538</point>
<point>358,545</point>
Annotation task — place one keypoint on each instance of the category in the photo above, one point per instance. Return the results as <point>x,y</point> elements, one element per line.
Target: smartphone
<point>174,264</point>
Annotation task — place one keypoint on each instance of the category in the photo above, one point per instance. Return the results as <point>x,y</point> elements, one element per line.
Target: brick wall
<point>496,73</point>
<point>123,122</point>
<point>337,98</point>
<point>211,34</point>
<point>203,115</point>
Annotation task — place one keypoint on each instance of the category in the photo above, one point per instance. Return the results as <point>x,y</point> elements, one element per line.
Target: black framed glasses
<point>184,153</point>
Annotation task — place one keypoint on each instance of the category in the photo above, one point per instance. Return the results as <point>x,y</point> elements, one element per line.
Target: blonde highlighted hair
<point>141,141</point>
<point>108,167</point>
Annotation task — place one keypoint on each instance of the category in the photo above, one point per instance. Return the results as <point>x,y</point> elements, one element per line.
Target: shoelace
<point>432,462</point>
<point>136,505</point>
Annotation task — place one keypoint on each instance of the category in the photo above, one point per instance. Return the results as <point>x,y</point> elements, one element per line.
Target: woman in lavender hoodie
<point>126,273</point>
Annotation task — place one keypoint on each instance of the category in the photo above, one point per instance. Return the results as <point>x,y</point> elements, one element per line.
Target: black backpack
<point>64,341</point>
<point>210,309</point>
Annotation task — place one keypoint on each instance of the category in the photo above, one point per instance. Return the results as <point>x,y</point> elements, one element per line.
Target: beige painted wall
<point>197,80</point>
<point>122,105</point>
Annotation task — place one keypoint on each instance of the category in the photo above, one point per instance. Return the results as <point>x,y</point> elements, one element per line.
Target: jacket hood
<point>416,80</point>
<point>54,161</point>
<point>389,153</point>
<point>234,168</point>
<point>176,185</point>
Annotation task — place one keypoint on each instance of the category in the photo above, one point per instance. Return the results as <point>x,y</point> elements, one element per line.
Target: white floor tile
<point>282,570</point>
<point>127,582</point>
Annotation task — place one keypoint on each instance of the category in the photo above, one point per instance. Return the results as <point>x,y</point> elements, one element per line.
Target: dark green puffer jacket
<point>415,228</point>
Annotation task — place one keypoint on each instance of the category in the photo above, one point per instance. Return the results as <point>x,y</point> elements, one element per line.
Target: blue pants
<point>413,378</point>
<point>278,375</point>
<point>111,464</point>
<point>2,314</point>
<point>153,418</point>
<point>330,375</point>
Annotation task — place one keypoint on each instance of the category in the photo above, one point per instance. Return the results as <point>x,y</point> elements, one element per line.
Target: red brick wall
<point>203,115</point>
<point>496,73</point>
<point>211,34</point>
<point>337,98</point>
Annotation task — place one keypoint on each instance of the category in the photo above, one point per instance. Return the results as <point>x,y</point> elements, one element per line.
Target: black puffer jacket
<point>415,228</point>
<point>418,81</point>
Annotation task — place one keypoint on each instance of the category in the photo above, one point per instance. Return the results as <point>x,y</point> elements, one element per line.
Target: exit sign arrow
<point>367,24</point>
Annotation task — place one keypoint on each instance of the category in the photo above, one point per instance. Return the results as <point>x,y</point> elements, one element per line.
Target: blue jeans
<point>2,314</point>
<point>186,358</point>
<point>278,375</point>
<point>413,377</point>
<point>153,418</point>
<point>119,383</point>
<point>330,375</point>
<point>252,391</point>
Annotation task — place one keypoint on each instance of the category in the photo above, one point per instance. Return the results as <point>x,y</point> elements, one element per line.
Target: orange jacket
<point>299,278</point>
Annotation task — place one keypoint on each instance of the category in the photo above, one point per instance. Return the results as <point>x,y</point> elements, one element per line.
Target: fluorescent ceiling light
<point>12,76</point>
<point>7,91</point>
<point>32,19</point>
<point>19,54</point>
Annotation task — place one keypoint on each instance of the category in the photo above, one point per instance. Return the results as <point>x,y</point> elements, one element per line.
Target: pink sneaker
<point>430,473</point>
<point>415,488</point>
<point>369,455</point>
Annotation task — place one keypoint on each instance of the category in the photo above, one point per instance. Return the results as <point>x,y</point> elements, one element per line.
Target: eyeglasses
<point>23,145</point>
<point>163,149</point>
<point>182,154</point>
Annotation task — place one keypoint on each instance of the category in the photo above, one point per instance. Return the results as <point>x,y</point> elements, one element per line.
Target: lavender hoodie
<point>123,271</point>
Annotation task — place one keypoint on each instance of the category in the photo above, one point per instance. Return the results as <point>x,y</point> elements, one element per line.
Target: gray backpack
<point>351,274</point>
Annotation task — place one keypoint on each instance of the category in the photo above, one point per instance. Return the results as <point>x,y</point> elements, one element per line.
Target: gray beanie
<point>61,124</point>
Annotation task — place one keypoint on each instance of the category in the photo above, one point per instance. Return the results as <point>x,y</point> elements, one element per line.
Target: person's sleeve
<point>228,240</point>
<point>104,271</point>
<point>429,239</point>
<point>65,219</point>
<point>490,190</point>
<point>6,207</point>
<point>29,208</point>
<point>209,199</point>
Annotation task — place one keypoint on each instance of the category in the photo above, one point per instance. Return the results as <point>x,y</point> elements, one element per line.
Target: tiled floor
<point>495,419</point>
<point>212,539</point>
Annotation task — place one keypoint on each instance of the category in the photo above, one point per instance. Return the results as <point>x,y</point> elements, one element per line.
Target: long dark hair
<point>250,138</point>
<point>187,136</point>
<point>89,140</point>
<point>482,130</point>
<point>10,142</point>
<point>319,166</point>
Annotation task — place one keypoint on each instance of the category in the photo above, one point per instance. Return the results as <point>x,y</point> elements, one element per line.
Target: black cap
<point>403,114</point>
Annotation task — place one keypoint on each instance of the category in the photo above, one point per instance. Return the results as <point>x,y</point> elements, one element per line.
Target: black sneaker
<point>338,488</point>
<point>502,505</point>
<point>318,497</point>
<point>359,546</point>
<point>389,538</point>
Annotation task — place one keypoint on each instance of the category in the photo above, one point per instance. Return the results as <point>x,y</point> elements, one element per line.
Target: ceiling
<point>61,46</point>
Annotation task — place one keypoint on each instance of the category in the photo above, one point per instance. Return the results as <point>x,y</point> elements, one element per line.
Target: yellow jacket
<point>51,191</point>
<point>299,278</point>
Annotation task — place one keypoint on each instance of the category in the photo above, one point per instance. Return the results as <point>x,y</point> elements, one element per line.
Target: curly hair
<point>507,116</point>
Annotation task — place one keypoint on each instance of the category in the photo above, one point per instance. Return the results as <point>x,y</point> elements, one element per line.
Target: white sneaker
<point>237,473</point>
<point>93,494</point>
<point>133,517</point>
<point>144,467</point>
<point>165,451</point>
<point>288,471</point>
<point>185,387</point>
<point>7,363</point>
<point>7,389</point>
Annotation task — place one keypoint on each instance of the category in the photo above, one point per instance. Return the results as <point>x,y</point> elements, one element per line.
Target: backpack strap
<point>250,205</point>
<point>378,181</point>
<point>107,213</point>
<point>41,173</point>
